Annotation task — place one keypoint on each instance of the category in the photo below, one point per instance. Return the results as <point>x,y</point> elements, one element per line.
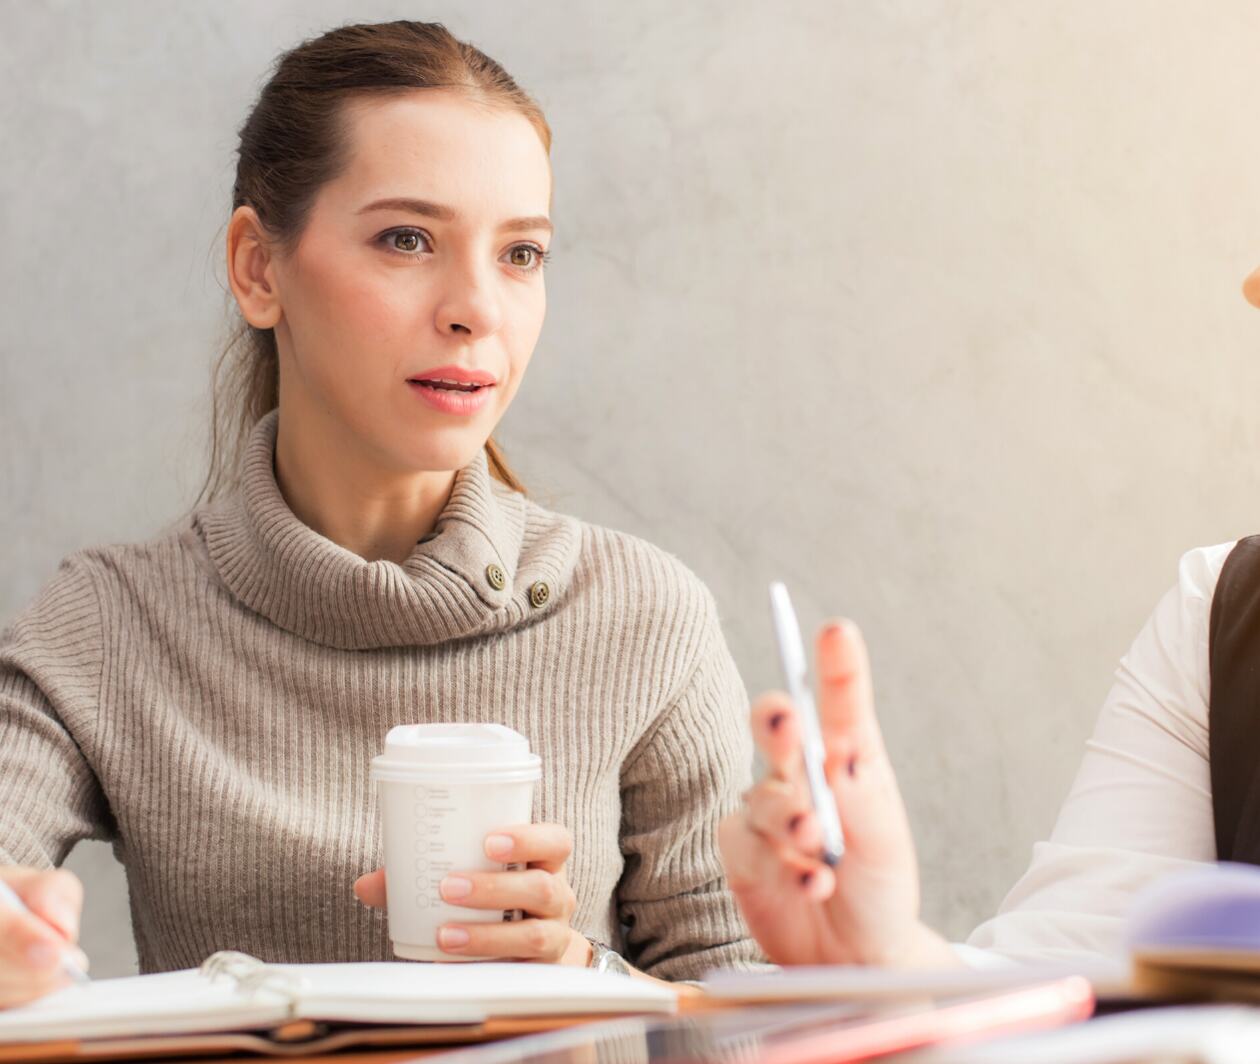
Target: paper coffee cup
<point>442,789</point>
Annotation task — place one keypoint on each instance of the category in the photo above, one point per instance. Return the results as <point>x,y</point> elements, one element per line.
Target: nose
<point>469,305</point>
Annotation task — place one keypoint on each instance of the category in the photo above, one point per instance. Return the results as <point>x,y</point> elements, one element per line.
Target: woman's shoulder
<point>73,592</point>
<point>635,578</point>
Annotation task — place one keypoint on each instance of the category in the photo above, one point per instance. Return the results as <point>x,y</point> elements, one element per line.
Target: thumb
<point>370,889</point>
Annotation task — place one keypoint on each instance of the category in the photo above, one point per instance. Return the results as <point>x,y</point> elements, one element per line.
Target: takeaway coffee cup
<point>442,789</point>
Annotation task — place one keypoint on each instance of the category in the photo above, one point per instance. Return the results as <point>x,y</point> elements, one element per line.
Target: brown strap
<point>1234,704</point>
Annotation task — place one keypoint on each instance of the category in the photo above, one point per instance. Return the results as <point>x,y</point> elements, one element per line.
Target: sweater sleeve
<point>50,673</point>
<point>679,916</point>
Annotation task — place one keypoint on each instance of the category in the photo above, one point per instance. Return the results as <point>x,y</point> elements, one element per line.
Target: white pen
<point>10,900</point>
<point>796,674</point>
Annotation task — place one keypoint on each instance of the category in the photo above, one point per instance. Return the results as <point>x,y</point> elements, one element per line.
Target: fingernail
<point>795,822</point>
<point>41,955</point>
<point>455,887</point>
<point>806,879</point>
<point>776,722</point>
<point>452,937</point>
<point>498,845</point>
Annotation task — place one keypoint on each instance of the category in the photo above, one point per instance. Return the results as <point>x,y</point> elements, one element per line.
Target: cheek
<point>523,332</point>
<point>346,302</point>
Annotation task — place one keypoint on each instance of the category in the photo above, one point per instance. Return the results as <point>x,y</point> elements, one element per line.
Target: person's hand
<point>32,944</point>
<point>539,889</point>
<point>866,909</point>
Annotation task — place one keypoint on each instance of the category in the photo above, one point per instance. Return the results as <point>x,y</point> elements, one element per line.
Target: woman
<point>210,701</point>
<point>1157,791</point>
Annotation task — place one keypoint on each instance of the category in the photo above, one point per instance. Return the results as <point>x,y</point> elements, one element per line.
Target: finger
<point>768,875</point>
<point>55,895</point>
<point>545,846</point>
<point>781,811</point>
<point>846,699</point>
<point>30,950</point>
<point>370,889</point>
<point>520,940</point>
<point>777,734</point>
<point>539,893</point>
<point>1251,288</point>
<point>57,898</point>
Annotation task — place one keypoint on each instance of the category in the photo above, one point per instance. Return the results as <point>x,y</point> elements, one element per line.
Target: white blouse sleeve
<point>1141,804</point>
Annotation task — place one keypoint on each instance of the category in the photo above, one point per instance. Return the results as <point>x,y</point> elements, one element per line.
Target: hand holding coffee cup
<point>461,859</point>
<point>539,890</point>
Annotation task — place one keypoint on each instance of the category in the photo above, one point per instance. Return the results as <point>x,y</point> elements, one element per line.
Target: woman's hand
<point>866,909</point>
<point>32,944</point>
<point>540,890</point>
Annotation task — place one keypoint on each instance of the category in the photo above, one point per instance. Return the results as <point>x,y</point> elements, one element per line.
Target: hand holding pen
<point>802,909</point>
<point>39,925</point>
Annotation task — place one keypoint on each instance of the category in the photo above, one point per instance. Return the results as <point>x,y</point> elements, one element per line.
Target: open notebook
<point>233,992</point>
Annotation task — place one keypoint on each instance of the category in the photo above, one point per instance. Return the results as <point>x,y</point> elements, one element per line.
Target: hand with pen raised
<point>866,909</point>
<point>35,944</point>
<point>539,888</point>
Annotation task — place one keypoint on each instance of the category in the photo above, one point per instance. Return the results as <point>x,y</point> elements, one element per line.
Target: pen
<point>796,674</point>
<point>10,900</point>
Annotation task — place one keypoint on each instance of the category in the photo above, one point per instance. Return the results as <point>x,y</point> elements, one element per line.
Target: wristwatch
<point>606,959</point>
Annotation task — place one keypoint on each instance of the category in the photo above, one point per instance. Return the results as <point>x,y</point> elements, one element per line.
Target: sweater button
<point>539,593</point>
<point>496,576</point>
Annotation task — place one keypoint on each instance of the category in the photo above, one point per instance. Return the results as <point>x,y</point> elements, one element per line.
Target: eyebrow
<point>447,214</point>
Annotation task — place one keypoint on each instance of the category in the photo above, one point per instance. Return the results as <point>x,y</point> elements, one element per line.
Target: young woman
<point>210,701</point>
<point>1168,779</point>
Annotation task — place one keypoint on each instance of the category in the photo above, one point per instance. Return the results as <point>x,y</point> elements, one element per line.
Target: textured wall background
<point>929,308</point>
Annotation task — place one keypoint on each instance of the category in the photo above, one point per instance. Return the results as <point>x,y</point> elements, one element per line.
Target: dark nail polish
<point>776,722</point>
<point>795,822</point>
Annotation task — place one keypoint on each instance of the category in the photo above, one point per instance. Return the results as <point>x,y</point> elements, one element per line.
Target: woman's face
<point>414,298</point>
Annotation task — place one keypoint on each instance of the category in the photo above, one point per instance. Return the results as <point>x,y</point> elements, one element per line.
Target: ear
<point>1251,288</point>
<point>251,269</point>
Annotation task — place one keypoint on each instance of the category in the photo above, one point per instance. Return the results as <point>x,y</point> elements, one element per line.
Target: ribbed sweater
<point>209,701</point>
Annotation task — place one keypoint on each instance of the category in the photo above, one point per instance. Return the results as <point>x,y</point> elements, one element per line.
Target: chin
<point>440,455</point>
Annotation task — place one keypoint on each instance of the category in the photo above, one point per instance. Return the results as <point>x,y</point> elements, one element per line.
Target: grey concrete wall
<point>929,308</point>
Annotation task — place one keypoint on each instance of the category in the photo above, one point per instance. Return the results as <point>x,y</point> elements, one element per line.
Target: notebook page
<point>167,1003</point>
<point>424,993</point>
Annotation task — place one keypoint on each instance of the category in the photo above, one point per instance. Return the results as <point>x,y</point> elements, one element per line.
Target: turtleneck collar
<point>445,589</point>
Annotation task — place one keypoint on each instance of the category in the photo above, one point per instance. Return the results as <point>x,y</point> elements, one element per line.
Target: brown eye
<point>407,241</point>
<point>522,255</point>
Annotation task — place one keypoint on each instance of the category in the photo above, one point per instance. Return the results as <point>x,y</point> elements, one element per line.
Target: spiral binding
<point>253,976</point>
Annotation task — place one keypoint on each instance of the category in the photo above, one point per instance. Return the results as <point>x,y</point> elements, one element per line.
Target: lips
<point>454,378</point>
<point>453,389</point>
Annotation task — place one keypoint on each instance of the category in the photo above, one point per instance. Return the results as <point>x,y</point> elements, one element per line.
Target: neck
<point>335,487</point>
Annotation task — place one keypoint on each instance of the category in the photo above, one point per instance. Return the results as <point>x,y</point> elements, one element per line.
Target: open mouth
<point>444,385</point>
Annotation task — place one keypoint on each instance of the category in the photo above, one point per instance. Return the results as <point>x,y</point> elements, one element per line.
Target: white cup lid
<point>462,744</point>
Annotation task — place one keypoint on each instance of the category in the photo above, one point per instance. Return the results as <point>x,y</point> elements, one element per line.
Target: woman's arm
<point>50,656</point>
<point>685,775</point>
<point>49,795</point>
<point>1141,804</point>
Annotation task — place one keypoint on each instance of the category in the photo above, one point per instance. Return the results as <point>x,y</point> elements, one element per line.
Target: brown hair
<point>293,143</point>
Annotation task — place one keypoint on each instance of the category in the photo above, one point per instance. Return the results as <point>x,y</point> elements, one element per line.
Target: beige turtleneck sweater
<point>210,701</point>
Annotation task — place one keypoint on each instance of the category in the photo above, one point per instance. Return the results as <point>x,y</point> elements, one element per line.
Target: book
<point>1195,935</point>
<point>297,1004</point>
